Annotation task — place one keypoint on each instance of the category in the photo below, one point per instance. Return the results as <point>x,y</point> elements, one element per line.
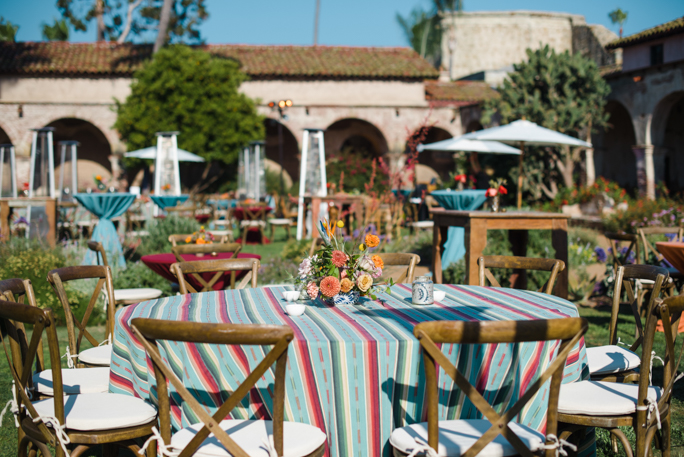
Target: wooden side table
<point>476,224</point>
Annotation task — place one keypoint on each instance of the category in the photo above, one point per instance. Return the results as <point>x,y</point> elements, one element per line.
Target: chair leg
<point>665,437</point>
<point>244,235</point>
<point>272,232</point>
<point>287,229</point>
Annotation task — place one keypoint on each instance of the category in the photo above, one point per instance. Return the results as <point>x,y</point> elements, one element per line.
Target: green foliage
<point>562,92</point>
<point>59,31</point>
<point>186,17</point>
<point>190,91</point>
<point>137,274</point>
<point>358,170</point>
<point>423,32</point>
<point>8,31</point>
<point>662,212</point>
<point>157,241</point>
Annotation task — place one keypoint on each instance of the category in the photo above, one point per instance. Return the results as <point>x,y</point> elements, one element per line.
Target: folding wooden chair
<point>101,353</point>
<point>231,437</point>
<point>219,267</point>
<point>469,437</point>
<point>553,266</point>
<point>71,424</point>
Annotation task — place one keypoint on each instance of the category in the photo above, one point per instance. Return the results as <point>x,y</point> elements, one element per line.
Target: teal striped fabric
<point>354,371</point>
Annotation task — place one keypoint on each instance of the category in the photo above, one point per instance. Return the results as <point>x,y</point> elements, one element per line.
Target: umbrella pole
<point>520,174</point>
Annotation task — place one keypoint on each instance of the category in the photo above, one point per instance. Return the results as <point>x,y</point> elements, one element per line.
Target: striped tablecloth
<point>353,371</point>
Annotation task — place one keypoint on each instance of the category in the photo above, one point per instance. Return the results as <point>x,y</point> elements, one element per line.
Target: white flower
<point>365,263</point>
<point>305,268</point>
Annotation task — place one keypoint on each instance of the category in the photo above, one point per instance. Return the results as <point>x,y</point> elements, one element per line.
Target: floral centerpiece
<point>200,237</point>
<point>341,273</point>
<point>99,183</point>
<point>496,189</point>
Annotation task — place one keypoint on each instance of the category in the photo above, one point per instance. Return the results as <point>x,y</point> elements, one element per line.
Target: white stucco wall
<point>21,89</point>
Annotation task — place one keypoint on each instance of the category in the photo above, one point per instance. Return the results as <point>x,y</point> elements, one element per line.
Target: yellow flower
<point>346,285</point>
<point>364,282</point>
<point>362,247</point>
<point>340,224</point>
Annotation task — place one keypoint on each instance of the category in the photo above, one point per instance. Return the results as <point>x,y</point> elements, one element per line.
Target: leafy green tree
<point>190,91</point>
<point>562,92</point>
<point>8,31</point>
<point>617,16</point>
<point>59,31</point>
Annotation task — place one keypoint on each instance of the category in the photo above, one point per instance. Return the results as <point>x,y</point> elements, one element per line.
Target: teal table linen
<point>463,200</point>
<point>164,201</point>
<point>106,206</point>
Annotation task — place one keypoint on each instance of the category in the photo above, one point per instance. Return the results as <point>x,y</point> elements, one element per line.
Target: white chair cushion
<point>251,435</point>
<point>283,221</point>
<point>252,223</point>
<point>101,355</point>
<point>423,224</point>
<point>457,436</point>
<point>142,294</point>
<point>611,359</point>
<point>74,381</point>
<point>598,398</point>
<point>88,412</point>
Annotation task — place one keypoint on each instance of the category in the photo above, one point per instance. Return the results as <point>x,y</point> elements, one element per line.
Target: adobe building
<point>365,98</point>
<point>644,144</point>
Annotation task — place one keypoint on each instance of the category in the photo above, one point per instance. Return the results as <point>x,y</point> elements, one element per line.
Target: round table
<point>353,371</point>
<point>462,200</point>
<point>161,264</point>
<point>106,206</point>
<point>164,201</point>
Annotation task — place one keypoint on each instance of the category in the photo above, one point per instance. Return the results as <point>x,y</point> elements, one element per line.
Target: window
<point>657,54</point>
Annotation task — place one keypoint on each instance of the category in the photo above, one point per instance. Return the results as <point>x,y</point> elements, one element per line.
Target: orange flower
<point>346,285</point>
<point>98,177</point>
<point>377,260</point>
<point>330,286</point>
<point>200,241</point>
<point>339,258</point>
<point>188,239</point>
<point>372,240</point>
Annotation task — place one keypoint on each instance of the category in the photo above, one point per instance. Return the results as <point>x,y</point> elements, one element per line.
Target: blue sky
<point>342,22</point>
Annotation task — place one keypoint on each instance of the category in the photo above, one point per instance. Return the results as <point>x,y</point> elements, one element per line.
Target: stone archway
<point>4,137</point>
<point>355,136</point>
<point>614,157</point>
<point>440,161</point>
<point>290,157</point>
<point>93,152</point>
<point>668,141</point>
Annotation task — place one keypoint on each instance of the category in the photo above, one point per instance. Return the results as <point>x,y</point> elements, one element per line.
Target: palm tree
<point>59,31</point>
<point>618,17</point>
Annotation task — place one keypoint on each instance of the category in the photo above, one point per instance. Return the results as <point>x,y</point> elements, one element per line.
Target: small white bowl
<point>295,309</point>
<point>291,295</point>
<point>439,295</point>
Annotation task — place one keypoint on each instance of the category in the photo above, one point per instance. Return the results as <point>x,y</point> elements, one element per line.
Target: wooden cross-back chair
<point>65,422</point>
<point>619,241</point>
<point>179,239</point>
<point>85,380</point>
<point>283,216</point>
<point>399,266</point>
<point>219,267</point>
<point>182,210</point>
<point>553,266</point>
<point>123,296</point>
<point>206,249</point>
<point>101,353</point>
<point>645,407</point>
<point>253,219</point>
<point>470,437</point>
<point>191,440</point>
<point>644,233</point>
<point>614,362</point>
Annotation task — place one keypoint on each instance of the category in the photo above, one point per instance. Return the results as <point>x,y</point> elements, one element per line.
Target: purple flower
<point>600,254</point>
<point>672,217</point>
<point>670,236</point>
<point>21,220</point>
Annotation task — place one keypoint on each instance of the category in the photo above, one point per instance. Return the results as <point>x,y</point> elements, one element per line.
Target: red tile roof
<point>654,33</point>
<point>260,62</point>
<point>458,92</point>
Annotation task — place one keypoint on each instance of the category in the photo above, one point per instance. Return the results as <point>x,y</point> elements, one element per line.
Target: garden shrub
<point>357,169</point>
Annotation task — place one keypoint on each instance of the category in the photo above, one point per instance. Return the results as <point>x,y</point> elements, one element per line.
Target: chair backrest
<point>400,275</point>
<point>15,317</point>
<point>218,248</point>
<point>184,210</point>
<point>97,247</point>
<point>218,267</point>
<point>179,240</point>
<point>627,241</point>
<point>669,311</point>
<point>553,266</point>
<point>629,276</point>
<point>645,232</point>
<point>254,211</point>
<point>149,331</point>
<point>21,291</point>
<point>430,334</point>
<point>59,277</point>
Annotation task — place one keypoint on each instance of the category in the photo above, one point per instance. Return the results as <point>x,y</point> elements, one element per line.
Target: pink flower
<point>330,286</point>
<point>339,258</point>
<point>312,290</point>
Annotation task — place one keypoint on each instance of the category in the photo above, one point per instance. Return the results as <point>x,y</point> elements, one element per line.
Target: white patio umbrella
<point>463,144</point>
<point>151,153</point>
<point>525,132</point>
